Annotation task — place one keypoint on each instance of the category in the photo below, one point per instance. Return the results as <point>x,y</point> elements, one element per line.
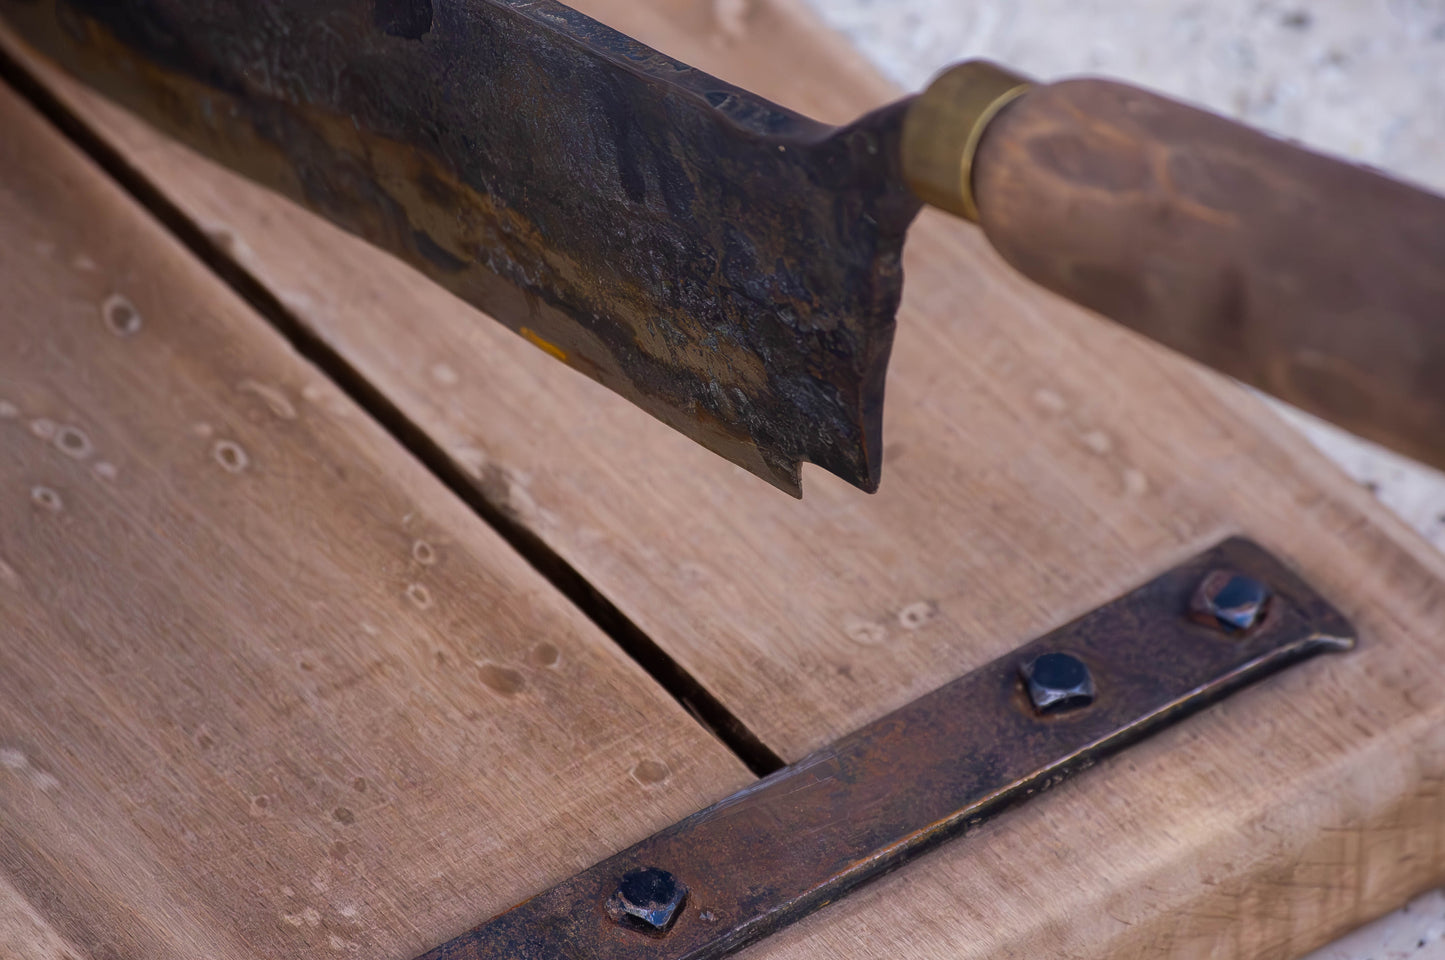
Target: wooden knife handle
<point>1316,280</point>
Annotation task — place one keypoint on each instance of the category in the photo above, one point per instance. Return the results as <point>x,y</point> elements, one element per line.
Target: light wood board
<point>1039,462</point>
<point>266,688</point>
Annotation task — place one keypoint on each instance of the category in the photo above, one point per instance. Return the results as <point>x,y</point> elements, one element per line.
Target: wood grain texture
<point>266,687</point>
<point>25,934</point>
<point>1314,279</point>
<point>1039,463</point>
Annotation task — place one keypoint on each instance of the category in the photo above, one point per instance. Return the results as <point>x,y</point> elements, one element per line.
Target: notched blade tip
<point>863,471</point>
<point>792,484</point>
<point>786,477</point>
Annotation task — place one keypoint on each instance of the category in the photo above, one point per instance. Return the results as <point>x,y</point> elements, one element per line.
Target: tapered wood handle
<point>1316,280</point>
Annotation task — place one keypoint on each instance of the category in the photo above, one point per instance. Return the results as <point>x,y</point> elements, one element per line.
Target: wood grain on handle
<point>1318,281</point>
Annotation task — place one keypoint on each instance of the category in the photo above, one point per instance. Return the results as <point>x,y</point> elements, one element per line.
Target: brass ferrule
<point>944,127</point>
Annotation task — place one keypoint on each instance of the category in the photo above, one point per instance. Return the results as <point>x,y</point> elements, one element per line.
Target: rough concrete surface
<point>1363,79</point>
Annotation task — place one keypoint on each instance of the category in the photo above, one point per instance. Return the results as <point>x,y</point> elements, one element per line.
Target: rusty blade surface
<point>727,265</point>
<point>811,832</point>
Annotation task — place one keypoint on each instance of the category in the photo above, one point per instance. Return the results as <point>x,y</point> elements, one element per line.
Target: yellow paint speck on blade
<point>545,345</point>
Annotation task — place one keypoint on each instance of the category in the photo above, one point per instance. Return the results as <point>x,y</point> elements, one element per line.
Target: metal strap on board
<point>806,835</point>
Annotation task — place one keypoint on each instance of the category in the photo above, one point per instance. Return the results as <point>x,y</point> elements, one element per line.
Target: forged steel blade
<point>729,266</point>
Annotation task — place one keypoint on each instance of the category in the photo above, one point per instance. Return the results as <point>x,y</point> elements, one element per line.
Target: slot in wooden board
<point>266,687</point>
<point>1039,462</point>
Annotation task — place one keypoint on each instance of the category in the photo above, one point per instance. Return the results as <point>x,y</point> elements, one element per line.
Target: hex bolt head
<point>1230,601</point>
<point>1058,681</point>
<point>648,899</point>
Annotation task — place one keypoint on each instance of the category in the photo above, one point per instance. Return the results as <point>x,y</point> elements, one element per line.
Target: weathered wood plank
<point>1039,463</point>
<point>24,934</point>
<point>266,687</point>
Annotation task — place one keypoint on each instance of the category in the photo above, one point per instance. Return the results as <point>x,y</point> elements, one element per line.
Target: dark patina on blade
<point>729,266</point>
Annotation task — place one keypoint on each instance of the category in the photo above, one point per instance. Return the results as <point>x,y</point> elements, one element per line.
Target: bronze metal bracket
<point>806,835</point>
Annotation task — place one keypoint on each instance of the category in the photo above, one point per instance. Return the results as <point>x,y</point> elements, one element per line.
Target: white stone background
<point>1363,79</point>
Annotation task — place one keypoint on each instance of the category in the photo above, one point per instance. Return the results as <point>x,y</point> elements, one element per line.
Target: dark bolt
<point>1058,681</point>
<point>1229,600</point>
<point>648,899</point>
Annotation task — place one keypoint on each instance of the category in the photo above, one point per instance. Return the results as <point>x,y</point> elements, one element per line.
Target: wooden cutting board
<point>266,688</point>
<point>1039,462</point>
